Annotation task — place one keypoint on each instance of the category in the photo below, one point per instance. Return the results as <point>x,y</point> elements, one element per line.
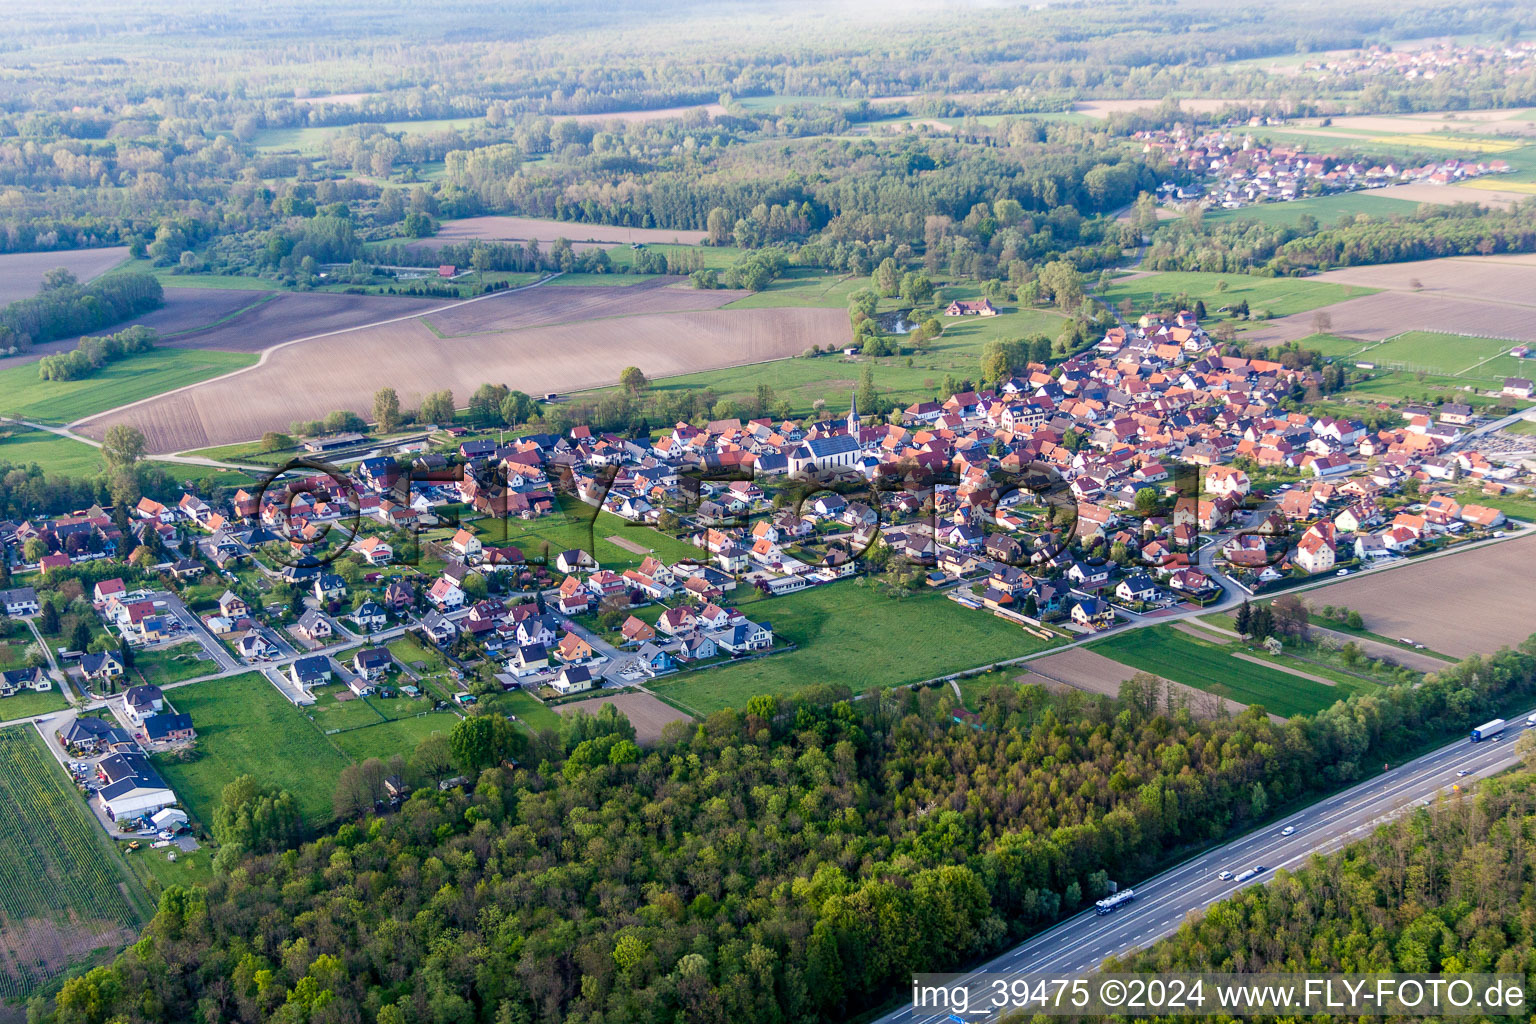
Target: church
<point>834,451</point>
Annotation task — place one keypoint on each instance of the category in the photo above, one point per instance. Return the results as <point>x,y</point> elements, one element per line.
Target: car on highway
<point>1225,876</point>
<point>1531,720</point>
<point>1289,830</point>
<point>1464,773</point>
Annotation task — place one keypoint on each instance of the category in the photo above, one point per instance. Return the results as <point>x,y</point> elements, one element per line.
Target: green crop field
<point>245,727</point>
<point>24,395</point>
<point>1326,210</point>
<point>847,634</point>
<point>1447,355</point>
<point>63,889</point>
<point>311,141</point>
<point>1281,296</point>
<point>59,456</point>
<point>1166,652</point>
<point>804,286</point>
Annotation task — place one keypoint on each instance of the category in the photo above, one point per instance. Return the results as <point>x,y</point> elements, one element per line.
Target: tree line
<point>65,307</point>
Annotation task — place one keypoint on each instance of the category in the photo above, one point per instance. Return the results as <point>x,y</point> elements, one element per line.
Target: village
<point>1149,475</point>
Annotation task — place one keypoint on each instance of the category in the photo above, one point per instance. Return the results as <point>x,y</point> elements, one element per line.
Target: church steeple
<point>853,415</point>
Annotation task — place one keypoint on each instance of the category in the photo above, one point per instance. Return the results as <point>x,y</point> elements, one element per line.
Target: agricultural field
<point>1086,670</point>
<point>1208,665</point>
<point>1279,295</point>
<point>59,456</point>
<point>844,633</point>
<point>1508,278</point>
<point>647,714</point>
<point>344,369</point>
<point>1385,314</point>
<point>21,273</point>
<point>311,141</point>
<point>630,116</point>
<point>521,229</point>
<point>66,898</point>
<point>545,306</point>
<point>832,378</point>
<point>241,722</point>
<point>1325,209</point>
<point>1491,609</point>
<point>26,396</point>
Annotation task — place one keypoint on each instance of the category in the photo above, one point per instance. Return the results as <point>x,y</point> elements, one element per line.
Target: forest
<point>794,860</point>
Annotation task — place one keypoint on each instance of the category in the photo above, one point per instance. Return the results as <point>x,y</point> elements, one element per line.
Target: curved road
<point>1081,943</point>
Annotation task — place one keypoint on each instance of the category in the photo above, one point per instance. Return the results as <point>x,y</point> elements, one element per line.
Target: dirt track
<point>1462,604</point>
<point>21,273</point>
<point>646,713</point>
<point>307,380</point>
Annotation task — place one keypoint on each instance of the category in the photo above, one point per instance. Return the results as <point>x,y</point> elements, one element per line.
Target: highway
<point>1081,943</point>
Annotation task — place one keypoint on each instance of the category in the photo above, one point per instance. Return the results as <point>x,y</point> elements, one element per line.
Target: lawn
<point>1326,210</point>
<point>334,715</point>
<point>312,140</point>
<point>59,456</point>
<point>1281,296</point>
<point>804,286</point>
<point>67,896</point>
<point>399,736</point>
<point>15,638</point>
<point>529,709</point>
<point>32,703</point>
<point>846,633</point>
<point>245,727</point>
<point>23,394</point>
<point>173,664</point>
<point>1447,355</point>
<point>713,257</point>
<point>157,871</point>
<point>1181,658</point>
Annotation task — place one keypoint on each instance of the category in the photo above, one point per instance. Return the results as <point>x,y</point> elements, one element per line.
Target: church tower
<point>853,415</point>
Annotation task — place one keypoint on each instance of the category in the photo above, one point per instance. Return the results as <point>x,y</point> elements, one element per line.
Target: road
<point>1081,943</point>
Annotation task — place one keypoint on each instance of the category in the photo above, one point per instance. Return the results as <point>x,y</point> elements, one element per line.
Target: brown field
<point>1459,122</point>
<point>1506,278</point>
<point>21,273</point>
<point>1082,669</point>
<point>520,229</point>
<point>646,713</point>
<point>1472,602</point>
<point>282,317</point>
<point>1385,314</point>
<point>308,379</point>
<point>542,306</point>
<point>1397,654</point>
<point>712,109</point>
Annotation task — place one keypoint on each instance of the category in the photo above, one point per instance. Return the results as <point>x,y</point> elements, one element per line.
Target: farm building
<point>132,786</point>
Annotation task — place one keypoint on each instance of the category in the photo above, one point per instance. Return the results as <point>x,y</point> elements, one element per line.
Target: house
<point>107,591</point>
<point>573,679</point>
<point>375,550</point>
<point>329,587</point>
<point>172,728</point>
<point>573,648</point>
<point>675,620</point>
<point>744,637</point>
<point>1457,413</point>
<point>1482,516</point>
<point>369,616</point>
<point>1093,613</point>
<point>372,663</point>
<point>698,647</point>
<point>92,735</point>
<point>254,647</point>
<point>187,568</point>
<point>1517,387</point>
<point>142,702</point>
<point>311,672</point>
<point>959,308</point>
<point>1315,551</point>
<point>574,561</point>
<point>466,545</point>
<point>1226,482</point>
<point>13,681</point>
<point>399,595</point>
<point>636,630</point>
<point>233,606</point>
<point>528,659</point>
<point>19,601</point>
<point>313,625</point>
<point>438,628</point>
<point>655,659</point>
<point>446,595</point>
<point>104,666</point>
<point>1137,589</point>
